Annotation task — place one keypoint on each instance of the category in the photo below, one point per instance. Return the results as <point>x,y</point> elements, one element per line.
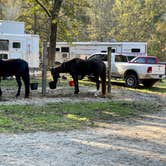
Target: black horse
<point>18,68</point>
<point>78,68</point>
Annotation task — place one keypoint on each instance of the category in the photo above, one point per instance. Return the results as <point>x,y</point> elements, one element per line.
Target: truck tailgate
<point>158,69</point>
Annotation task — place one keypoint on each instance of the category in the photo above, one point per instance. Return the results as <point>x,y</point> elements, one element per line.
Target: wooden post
<point>109,69</point>
<point>44,68</point>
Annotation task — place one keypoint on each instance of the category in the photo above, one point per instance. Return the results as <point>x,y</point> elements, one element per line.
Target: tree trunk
<point>52,47</point>
<point>53,34</point>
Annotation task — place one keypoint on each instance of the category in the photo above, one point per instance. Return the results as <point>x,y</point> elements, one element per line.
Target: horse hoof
<point>103,95</point>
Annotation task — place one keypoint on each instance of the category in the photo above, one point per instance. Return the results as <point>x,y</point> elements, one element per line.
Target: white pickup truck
<point>133,73</point>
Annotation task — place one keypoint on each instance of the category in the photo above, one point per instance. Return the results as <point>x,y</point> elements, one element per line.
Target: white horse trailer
<point>14,43</point>
<point>66,51</point>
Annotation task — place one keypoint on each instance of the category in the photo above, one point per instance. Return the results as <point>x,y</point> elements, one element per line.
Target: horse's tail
<point>26,79</point>
<point>103,80</point>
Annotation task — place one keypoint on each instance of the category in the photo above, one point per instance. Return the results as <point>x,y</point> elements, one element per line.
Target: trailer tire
<point>131,81</point>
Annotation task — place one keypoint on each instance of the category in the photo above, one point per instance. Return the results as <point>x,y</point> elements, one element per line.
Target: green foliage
<point>83,20</point>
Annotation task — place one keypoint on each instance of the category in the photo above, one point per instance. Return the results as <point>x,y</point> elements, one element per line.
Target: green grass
<point>158,88</point>
<point>66,116</point>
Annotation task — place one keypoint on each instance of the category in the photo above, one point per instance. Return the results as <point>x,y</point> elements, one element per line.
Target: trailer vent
<point>64,55</point>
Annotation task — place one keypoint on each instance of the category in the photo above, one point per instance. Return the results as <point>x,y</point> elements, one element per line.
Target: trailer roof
<point>16,35</point>
<point>98,43</point>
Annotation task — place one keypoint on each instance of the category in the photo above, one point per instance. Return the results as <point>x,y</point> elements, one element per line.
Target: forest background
<point>93,20</point>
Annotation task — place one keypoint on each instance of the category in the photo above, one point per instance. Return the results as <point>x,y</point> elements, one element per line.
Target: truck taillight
<point>149,70</point>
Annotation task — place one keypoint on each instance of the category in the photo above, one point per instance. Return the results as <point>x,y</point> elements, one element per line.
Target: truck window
<point>120,58</point>
<point>4,45</point>
<point>102,57</point>
<point>129,58</point>
<point>151,60</point>
<point>140,60</point>
<point>16,45</point>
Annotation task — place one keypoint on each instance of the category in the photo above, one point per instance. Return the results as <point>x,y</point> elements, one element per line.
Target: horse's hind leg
<point>0,89</point>
<point>103,82</point>
<point>19,85</point>
<point>76,86</point>
<point>0,92</point>
<point>26,80</point>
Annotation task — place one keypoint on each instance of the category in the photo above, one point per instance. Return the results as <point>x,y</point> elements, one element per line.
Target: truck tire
<point>131,81</point>
<point>148,83</point>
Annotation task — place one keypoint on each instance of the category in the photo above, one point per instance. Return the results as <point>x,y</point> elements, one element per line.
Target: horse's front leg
<point>76,86</point>
<point>18,79</point>
<point>97,85</point>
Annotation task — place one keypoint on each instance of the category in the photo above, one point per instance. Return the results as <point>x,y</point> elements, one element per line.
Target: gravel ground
<point>135,142</point>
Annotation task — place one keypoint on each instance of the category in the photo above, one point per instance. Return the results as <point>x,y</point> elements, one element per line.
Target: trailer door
<point>4,49</point>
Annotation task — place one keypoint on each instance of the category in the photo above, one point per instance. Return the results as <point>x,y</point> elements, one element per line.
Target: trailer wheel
<point>131,81</point>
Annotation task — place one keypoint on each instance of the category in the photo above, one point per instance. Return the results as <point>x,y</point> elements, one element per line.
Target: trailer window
<point>135,50</point>
<point>64,49</point>
<point>4,45</point>
<point>57,49</point>
<point>113,50</point>
<point>3,56</point>
<point>16,45</point>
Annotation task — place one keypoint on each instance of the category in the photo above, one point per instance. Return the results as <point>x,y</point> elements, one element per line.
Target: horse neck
<point>59,69</point>
<point>1,62</point>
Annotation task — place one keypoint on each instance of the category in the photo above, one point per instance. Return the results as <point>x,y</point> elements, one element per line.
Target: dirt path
<point>137,142</point>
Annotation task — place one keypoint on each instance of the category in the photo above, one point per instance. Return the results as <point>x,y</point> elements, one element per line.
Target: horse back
<point>13,67</point>
<point>84,67</point>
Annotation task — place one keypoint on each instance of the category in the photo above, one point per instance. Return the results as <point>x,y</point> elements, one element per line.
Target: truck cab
<point>145,60</point>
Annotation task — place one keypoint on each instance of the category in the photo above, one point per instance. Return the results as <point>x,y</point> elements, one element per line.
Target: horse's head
<point>55,75</point>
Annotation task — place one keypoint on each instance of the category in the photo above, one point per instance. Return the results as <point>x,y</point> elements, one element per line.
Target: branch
<point>44,8</point>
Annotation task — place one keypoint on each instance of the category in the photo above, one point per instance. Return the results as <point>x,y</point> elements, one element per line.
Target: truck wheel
<point>131,81</point>
<point>148,83</point>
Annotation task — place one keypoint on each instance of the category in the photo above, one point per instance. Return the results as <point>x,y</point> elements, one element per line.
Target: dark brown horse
<point>18,68</point>
<point>78,68</point>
